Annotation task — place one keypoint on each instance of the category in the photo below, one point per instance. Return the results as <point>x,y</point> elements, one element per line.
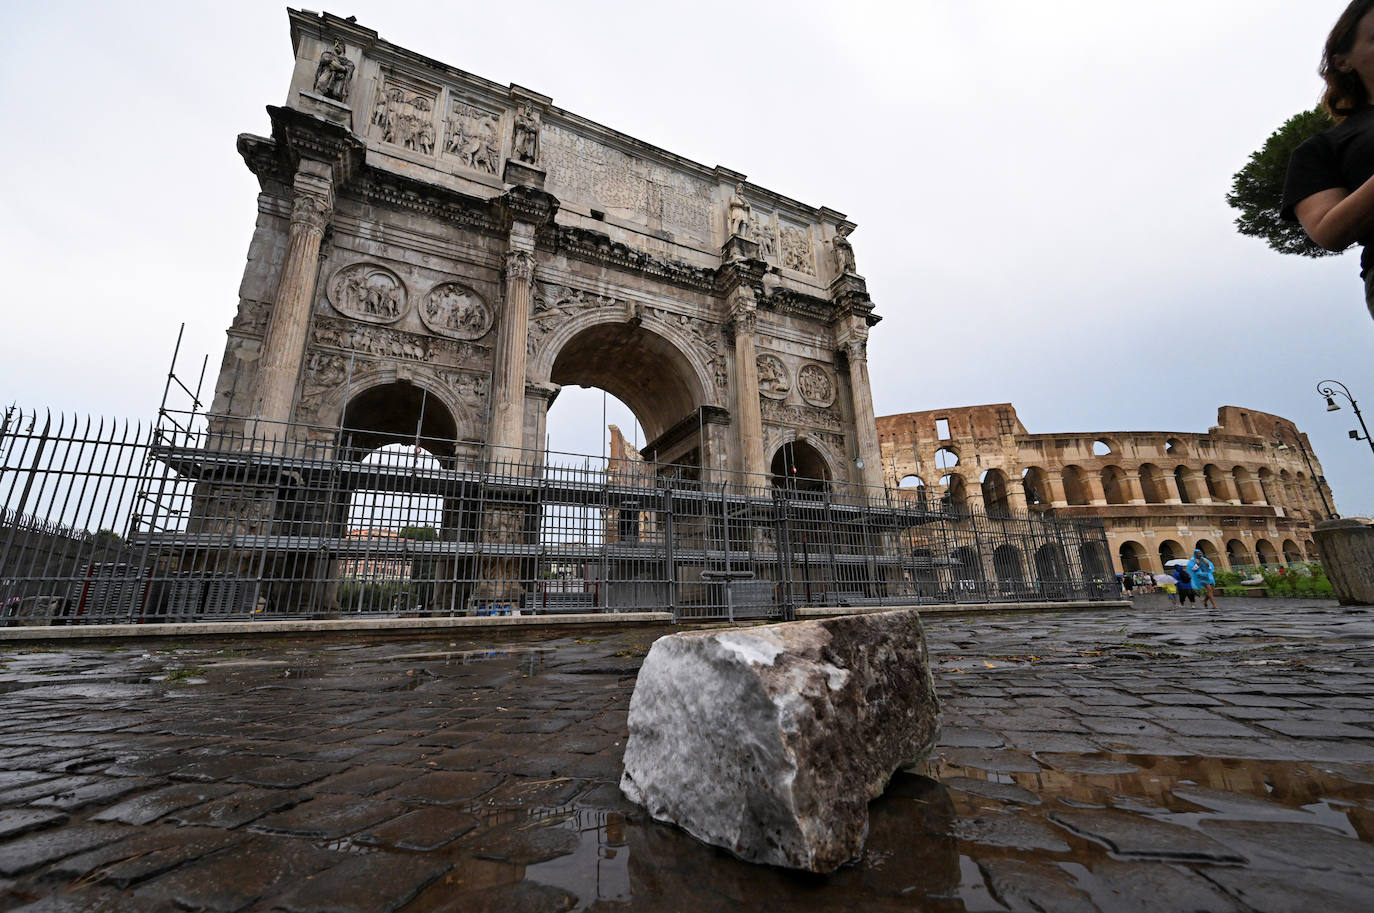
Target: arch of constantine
<point>437,251</point>
<point>1249,491</point>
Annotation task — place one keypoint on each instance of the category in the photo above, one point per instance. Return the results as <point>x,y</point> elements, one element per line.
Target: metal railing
<point>196,518</point>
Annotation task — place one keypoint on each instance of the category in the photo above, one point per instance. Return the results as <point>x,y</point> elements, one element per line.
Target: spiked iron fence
<point>184,520</point>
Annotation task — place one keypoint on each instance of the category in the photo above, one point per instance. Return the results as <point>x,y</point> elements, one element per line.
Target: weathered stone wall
<point>1347,553</point>
<point>421,227</point>
<point>1233,491</point>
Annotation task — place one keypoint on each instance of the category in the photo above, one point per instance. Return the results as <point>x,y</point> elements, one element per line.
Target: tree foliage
<point>1257,189</point>
<point>419,533</point>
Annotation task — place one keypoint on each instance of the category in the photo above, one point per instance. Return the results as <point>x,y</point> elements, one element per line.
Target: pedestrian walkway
<point>1124,759</point>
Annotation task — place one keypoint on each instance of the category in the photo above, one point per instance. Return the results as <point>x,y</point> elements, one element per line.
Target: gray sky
<point>1039,188</point>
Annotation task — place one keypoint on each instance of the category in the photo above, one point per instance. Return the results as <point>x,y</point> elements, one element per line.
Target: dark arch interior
<point>391,414</point>
<point>641,369</point>
<point>800,466</point>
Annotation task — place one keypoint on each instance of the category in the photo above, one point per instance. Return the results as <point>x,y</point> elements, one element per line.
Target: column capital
<point>519,265</point>
<point>744,314</point>
<point>311,210</point>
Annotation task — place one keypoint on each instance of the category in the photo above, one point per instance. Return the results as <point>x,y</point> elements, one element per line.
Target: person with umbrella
<point>1183,580</point>
<point>1169,585</point>
<point>1204,577</point>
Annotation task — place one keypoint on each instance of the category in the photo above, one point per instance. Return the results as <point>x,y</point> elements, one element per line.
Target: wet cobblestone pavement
<point>1148,759</point>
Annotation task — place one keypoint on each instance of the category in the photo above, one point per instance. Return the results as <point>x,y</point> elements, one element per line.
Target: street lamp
<point>1312,473</point>
<point>1328,389</point>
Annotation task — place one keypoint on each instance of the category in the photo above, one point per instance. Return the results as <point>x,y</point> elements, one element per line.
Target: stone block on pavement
<point>771,741</point>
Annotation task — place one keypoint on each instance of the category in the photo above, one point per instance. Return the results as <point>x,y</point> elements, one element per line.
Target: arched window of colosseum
<point>1152,483</point>
<point>1309,548</point>
<point>955,492</point>
<point>1181,483</point>
<point>946,458</point>
<point>1291,553</point>
<point>1114,485</point>
<point>1036,486</point>
<point>1209,551</point>
<point>1265,552</point>
<point>1169,550</point>
<point>1007,565</point>
<point>1050,567</point>
<point>1075,488</point>
<point>1102,447</point>
<point>968,567</point>
<point>995,498</point>
<point>1216,488</point>
<point>1132,555</point>
<point>1237,555</point>
<point>1174,447</point>
<point>912,488</point>
<point>1266,484</point>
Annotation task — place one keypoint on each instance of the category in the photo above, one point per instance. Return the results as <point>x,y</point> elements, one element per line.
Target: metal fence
<point>185,520</point>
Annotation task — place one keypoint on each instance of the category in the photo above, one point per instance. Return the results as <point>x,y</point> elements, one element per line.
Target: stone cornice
<point>688,426</point>
<point>299,135</point>
<point>526,204</point>
<point>596,247</point>
<point>449,206</point>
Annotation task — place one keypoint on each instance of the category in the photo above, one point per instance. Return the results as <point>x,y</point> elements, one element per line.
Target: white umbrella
<point>1164,579</point>
<point>1177,562</point>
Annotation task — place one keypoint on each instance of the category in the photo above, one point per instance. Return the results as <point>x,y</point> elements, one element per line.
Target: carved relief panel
<point>816,385</point>
<point>454,310</point>
<point>766,233</point>
<point>367,291</point>
<point>774,381</point>
<point>473,136</point>
<point>796,248</point>
<point>403,114</point>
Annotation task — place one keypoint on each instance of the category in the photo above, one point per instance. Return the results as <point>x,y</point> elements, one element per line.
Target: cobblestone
<point>1141,759</point>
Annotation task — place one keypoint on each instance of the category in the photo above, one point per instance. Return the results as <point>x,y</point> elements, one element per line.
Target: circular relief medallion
<point>815,385</point>
<point>456,311</point>
<point>366,291</point>
<point>773,380</point>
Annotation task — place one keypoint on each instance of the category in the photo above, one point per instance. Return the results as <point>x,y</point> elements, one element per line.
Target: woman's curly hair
<point>1345,92</point>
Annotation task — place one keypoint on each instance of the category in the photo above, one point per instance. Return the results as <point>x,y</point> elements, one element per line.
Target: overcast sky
<point>1039,188</point>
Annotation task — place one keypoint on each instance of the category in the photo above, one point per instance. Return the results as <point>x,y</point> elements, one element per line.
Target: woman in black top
<point>1329,187</point>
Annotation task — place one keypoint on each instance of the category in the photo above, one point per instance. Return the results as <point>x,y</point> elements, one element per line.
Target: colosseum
<point>1246,492</point>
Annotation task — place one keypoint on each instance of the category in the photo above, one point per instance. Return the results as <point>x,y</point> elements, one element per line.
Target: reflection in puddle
<point>598,871</point>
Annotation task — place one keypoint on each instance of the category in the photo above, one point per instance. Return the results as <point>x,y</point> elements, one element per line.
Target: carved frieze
<point>454,310</point>
<point>473,136</point>
<point>367,291</point>
<point>706,336</point>
<point>761,225</point>
<point>324,371</point>
<point>252,317</point>
<point>816,385</point>
<point>796,249</point>
<point>555,304</point>
<point>334,73</point>
<point>774,381</point>
<point>470,389</point>
<point>386,342</point>
<point>404,115</point>
<point>583,169</point>
<point>794,416</point>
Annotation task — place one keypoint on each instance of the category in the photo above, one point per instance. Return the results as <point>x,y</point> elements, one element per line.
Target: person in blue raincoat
<point>1204,577</point>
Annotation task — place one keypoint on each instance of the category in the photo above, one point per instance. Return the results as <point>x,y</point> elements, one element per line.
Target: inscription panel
<point>606,178</point>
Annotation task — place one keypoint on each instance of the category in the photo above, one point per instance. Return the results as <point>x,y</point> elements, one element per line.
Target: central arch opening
<point>797,466</point>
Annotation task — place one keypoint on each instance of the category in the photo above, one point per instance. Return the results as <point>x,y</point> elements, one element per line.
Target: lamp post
<point>1328,389</point>
<point>1312,473</point>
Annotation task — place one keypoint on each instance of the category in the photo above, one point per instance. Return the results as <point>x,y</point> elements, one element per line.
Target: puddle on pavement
<point>1071,830</point>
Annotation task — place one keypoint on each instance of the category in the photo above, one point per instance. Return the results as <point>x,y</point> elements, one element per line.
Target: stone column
<point>744,318</point>
<point>855,343</point>
<point>1092,481</point>
<point>508,388</point>
<point>1171,495</point>
<point>1130,481</point>
<point>311,205</point>
<point>1054,484</point>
